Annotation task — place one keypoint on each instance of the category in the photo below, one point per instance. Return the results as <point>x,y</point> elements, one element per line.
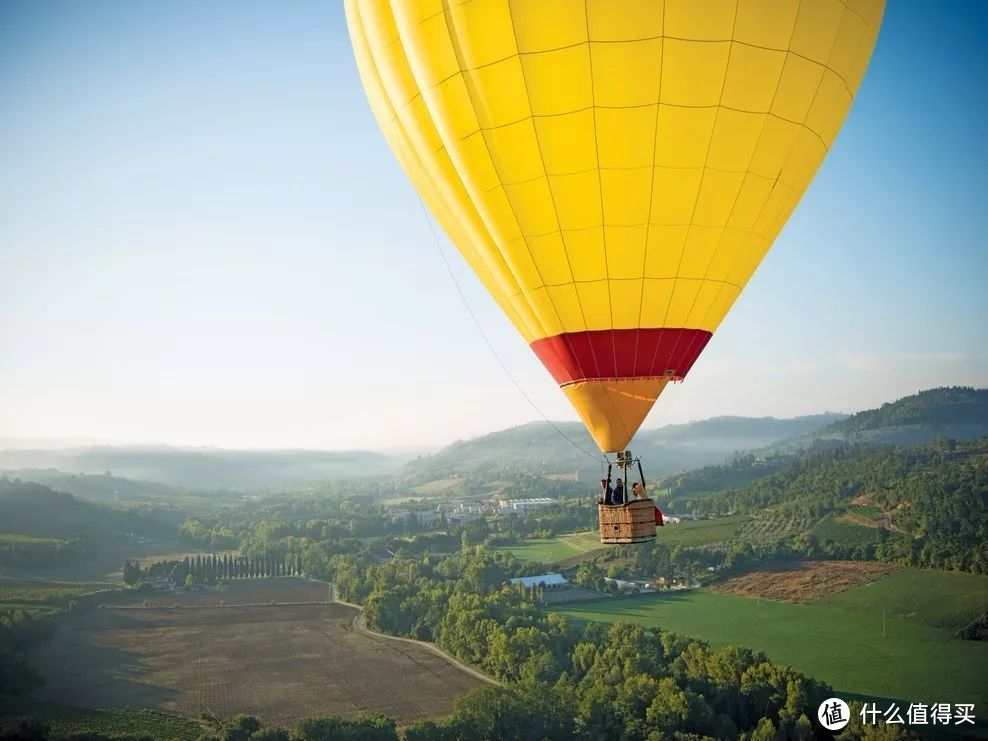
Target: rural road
<point>358,623</point>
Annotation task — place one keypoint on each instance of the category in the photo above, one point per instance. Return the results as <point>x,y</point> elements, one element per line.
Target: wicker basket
<point>627,523</point>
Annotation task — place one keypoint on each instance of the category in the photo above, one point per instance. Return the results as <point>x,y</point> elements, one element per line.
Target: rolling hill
<point>29,509</point>
<point>102,487</point>
<point>958,412</point>
<point>538,447</point>
<point>918,505</point>
<point>205,468</point>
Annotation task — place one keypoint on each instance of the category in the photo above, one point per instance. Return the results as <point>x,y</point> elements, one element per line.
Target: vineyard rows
<point>866,511</point>
<point>768,528</point>
<point>844,533</point>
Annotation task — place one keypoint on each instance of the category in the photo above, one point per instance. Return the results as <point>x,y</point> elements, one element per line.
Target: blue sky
<point>204,240</point>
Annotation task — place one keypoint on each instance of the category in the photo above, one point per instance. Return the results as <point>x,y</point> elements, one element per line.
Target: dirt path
<point>358,623</point>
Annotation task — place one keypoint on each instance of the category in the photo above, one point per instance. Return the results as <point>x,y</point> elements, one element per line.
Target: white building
<point>549,581</point>
<point>523,505</point>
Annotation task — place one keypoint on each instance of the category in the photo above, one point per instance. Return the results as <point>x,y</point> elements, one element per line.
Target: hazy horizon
<point>42,443</point>
<point>205,242</point>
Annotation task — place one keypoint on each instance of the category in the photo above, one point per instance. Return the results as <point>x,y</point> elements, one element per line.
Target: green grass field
<point>436,487</point>
<point>559,547</point>
<point>842,647</point>
<point>401,499</point>
<point>941,599</point>
<point>699,532</point>
<point>550,550</point>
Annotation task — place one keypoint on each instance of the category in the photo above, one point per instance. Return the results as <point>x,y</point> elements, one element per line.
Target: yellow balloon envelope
<point>613,170</point>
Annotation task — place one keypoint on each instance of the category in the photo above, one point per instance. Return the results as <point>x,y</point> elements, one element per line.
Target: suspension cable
<point>490,345</point>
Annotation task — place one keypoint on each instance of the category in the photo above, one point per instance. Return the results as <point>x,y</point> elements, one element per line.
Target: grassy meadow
<point>855,651</point>
<point>699,532</point>
<point>560,547</point>
<point>556,548</point>
<point>940,599</point>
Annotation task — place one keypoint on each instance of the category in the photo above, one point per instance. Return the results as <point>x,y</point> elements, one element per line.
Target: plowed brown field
<point>280,662</point>
<point>807,581</point>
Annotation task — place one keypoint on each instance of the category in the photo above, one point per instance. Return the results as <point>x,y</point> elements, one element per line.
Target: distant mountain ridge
<point>538,446</point>
<point>206,469</point>
<point>959,412</point>
<point>92,487</point>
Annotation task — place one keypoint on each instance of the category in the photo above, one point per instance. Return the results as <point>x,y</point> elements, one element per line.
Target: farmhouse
<point>621,583</point>
<point>549,581</point>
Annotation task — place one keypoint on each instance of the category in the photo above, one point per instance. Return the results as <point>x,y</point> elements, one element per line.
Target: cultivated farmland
<point>296,658</point>
<point>804,582</point>
<point>866,512</point>
<point>855,652</point>
<point>844,533</point>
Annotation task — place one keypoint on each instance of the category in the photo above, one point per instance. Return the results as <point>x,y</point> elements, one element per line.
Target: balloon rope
<point>463,298</point>
<point>490,345</point>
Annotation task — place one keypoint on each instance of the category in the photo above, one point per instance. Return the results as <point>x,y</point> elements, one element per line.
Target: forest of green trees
<point>948,406</point>
<point>620,681</point>
<point>30,508</point>
<point>934,497</point>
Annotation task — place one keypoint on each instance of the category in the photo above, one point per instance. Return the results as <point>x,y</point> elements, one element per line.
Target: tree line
<point>211,569</point>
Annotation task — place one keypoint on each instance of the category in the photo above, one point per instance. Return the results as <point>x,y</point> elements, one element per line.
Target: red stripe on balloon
<point>621,353</point>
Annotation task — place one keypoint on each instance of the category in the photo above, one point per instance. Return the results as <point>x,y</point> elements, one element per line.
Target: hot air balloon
<point>613,170</point>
